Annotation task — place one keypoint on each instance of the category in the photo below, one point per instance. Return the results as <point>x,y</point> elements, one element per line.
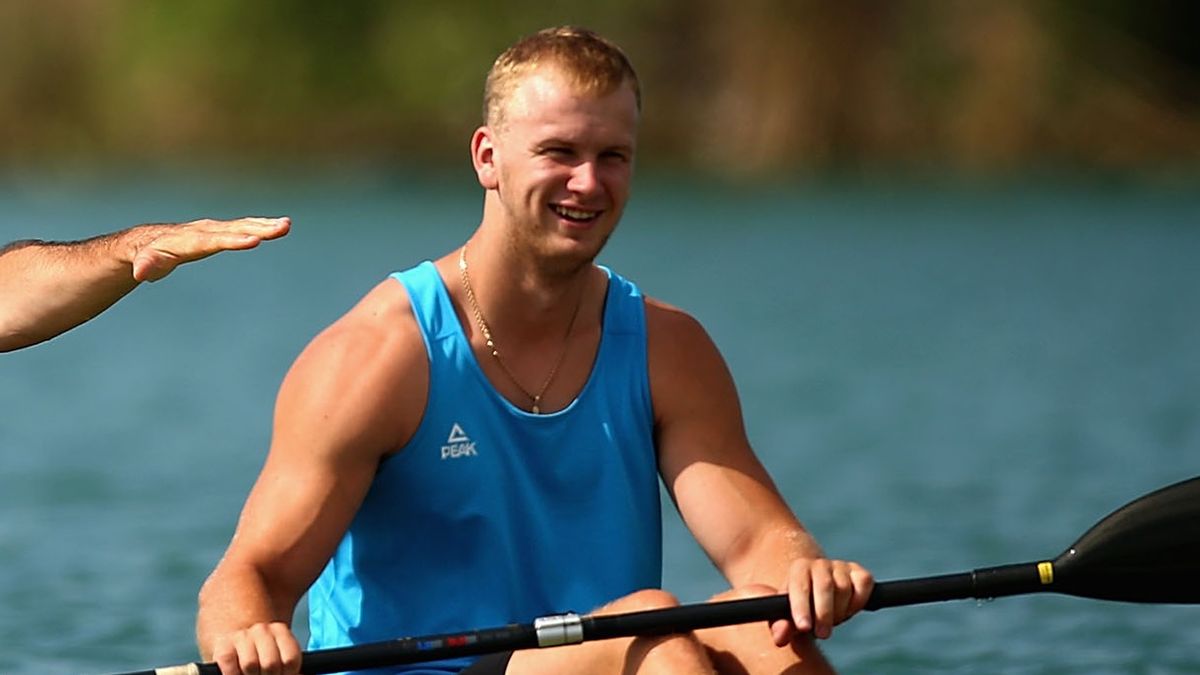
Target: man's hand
<point>47,288</point>
<point>261,649</point>
<point>159,249</point>
<point>823,593</point>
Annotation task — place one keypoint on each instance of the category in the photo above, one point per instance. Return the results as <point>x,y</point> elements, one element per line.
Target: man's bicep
<point>698,416</point>
<point>334,422</point>
<point>298,509</point>
<point>295,515</point>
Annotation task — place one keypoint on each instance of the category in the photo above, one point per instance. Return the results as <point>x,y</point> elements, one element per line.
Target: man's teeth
<point>575,214</point>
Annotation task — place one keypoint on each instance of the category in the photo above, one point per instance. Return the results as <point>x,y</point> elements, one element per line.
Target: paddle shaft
<point>1145,551</point>
<point>391,652</point>
<point>563,629</point>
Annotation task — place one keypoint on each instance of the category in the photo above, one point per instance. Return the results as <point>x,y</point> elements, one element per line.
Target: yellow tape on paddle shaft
<point>1046,572</point>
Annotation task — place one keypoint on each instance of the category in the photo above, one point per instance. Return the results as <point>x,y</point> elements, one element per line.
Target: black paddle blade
<point>1145,551</point>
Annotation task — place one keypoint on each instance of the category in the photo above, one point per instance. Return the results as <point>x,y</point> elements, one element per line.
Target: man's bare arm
<point>355,394</point>
<point>723,492</point>
<point>47,288</point>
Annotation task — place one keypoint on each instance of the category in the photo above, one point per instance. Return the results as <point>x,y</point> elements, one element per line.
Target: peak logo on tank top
<point>458,444</point>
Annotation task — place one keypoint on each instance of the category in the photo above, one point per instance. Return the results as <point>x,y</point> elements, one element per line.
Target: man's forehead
<point>539,86</point>
<point>548,85</point>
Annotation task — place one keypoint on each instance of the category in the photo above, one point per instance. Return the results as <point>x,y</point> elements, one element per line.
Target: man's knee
<point>674,654</point>
<point>749,648</point>
<point>640,601</point>
<point>670,653</point>
<point>744,593</point>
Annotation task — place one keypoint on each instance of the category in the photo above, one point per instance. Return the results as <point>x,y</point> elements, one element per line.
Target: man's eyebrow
<point>558,142</point>
<point>553,140</point>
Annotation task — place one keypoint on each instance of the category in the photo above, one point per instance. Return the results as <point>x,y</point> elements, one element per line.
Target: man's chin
<point>574,252</point>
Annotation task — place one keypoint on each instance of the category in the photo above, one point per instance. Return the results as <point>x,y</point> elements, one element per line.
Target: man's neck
<point>519,292</point>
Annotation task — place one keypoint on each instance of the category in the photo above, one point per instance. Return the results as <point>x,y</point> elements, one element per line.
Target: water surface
<point>939,378</point>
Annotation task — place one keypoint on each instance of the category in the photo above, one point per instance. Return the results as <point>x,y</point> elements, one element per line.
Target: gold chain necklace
<point>535,399</point>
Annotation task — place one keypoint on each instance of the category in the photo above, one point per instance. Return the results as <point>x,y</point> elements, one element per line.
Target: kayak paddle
<point>1147,551</point>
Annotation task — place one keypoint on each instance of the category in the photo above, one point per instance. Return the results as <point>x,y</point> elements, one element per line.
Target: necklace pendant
<point>490,342</point>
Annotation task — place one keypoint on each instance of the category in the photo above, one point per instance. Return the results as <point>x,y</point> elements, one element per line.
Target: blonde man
<point>480,440</point>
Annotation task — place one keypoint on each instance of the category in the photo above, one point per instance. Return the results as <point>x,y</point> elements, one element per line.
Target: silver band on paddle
<point>559,629</point>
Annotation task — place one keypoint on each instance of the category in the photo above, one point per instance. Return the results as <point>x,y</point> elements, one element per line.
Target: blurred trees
<point>730,87</point>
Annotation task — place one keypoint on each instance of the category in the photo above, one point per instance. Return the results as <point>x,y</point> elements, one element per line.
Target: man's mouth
<point>576,215</point>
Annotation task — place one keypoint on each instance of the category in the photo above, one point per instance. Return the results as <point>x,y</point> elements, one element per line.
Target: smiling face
<point>558,162</point>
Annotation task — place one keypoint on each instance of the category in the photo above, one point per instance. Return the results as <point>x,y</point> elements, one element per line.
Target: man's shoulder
<point>379,329</point>
<point>665,319</point>
<point>676,342</point>
<point>362,372</point>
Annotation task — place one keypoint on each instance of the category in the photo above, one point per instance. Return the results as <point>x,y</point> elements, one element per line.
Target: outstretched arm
<point>47,288</point>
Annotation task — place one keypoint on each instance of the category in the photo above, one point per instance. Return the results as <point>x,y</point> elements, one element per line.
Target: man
<point>479,440</point>
<point>47,288</point>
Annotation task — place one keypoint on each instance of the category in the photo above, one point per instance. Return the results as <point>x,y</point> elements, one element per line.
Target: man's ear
<point>483,156</point>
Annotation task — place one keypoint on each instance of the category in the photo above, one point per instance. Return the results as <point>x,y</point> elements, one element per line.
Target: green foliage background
<point>731,88</point>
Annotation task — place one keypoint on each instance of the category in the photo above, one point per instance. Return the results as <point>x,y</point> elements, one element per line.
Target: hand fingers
<point>160,257</point>
<point>800,592</point>
<point>843,588</point>
<point>782,632</point>
<point>824,593</point>
<point>824,598</point>
<point>226,656</point>
<point>863,583</point>
<point>162,248</point>
<point>265,228</point>
<point>247,654</point>
<point>194,244</point>
<point>262,649</point>
<point>289,649</point>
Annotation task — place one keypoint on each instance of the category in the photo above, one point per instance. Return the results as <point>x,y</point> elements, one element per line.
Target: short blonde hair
<point>594,64</point>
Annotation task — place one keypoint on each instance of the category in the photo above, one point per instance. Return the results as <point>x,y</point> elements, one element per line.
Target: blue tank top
<point>491,515</point>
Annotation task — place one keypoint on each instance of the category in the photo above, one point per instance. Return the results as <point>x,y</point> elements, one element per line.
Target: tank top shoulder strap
<point>430,301</point>
<point>625,312</point>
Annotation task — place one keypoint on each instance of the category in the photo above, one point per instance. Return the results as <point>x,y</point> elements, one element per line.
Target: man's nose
<point>583,177</point>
